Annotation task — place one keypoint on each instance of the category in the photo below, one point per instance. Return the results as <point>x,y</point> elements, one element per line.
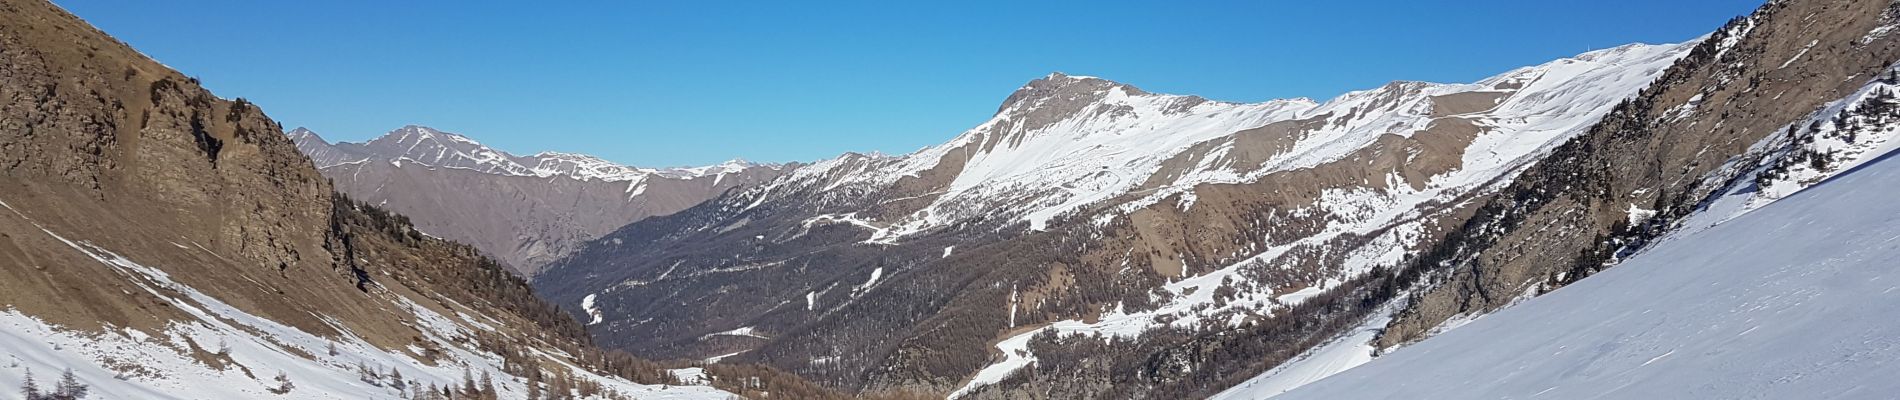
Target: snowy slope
<point>1067,151</point>
<point>1794,300</point>
<point>1344,353</point>
<point>1840,136</point>
<point>1851,131</point>
<point>1063,143</point>
<point>1536,108</point>
<point>131,364</point>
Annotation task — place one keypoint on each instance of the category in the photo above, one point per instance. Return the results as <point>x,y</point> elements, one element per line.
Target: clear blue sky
<point>665,83</point>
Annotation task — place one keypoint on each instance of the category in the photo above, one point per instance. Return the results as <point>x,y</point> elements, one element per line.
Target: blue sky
<point>667,83</point>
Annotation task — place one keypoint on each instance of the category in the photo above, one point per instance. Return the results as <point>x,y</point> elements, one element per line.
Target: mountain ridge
<point>1082,199</point>
<point>524,210</point>
<point>159,241</point>
<point>468,151</point>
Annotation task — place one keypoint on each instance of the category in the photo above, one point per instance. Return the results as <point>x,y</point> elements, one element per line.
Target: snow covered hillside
<point>1522,112</point>
<point>1794,300</point>
<point>224,352</point>
<point>1098,208</point>
<point>1063,143</point>
<point>1838,137</point>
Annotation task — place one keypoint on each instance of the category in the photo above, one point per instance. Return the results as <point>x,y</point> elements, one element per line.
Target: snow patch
<point>745,331</point>
<point>587,304</point>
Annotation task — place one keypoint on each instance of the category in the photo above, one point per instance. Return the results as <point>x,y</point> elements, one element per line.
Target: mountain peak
<point>302,134</point>
<point>411,132</point>
<point>1063,88</point>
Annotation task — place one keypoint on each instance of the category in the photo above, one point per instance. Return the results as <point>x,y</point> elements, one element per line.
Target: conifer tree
<point>395,379</point>
<point>31,389</point>
<point>283,384</point>
<point>468,384</point>
<point>69,387</point>
<point>559,389</point>
<point>488,387</point>
<point>534,383</point>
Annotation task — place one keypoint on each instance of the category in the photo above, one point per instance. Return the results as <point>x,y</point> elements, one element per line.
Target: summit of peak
<point>1059,79</point>
<point>1064,88</point>
<point>302,134</point>
<point>414,129</point>
<point>1059,75</point>
<point>417,133</point>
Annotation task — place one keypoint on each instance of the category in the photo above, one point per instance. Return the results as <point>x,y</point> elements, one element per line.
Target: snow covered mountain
<point>1766,107</point>
<point>1064,142</point>
<point>1702,219</point>
<point>1793,300</point>
<point>1083,207</point>
<point>431,147</point>
<point>524,210</point>
<point>160,242</point>
<point>1096,240</point>
<point>1839,139</point>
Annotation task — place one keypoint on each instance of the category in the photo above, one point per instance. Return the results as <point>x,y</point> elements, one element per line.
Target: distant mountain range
<point>1706,219</point>
<point>1082,207</point>
<point>1092,232</point>
<point>523,210</point>
<point>160,242</point>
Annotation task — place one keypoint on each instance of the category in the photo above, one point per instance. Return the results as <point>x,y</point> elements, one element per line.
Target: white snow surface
<point>1351,350</point>
<point>868,283</point>
<point>587,304</point>
<point>1794,300</point>
<point>689,376</point>
<point>1016,355</point>
<point>746,331</point>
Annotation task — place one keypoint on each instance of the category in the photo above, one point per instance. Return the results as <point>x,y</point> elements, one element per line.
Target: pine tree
<point>561,389</point>
<point>395,379</point>
<point>534,384</point>
<point>31,389</point>
<point>69,387</point>
<point>283,384</point>
<point>363,373</point>
<point>468,385</point>
<point>488,387</point>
